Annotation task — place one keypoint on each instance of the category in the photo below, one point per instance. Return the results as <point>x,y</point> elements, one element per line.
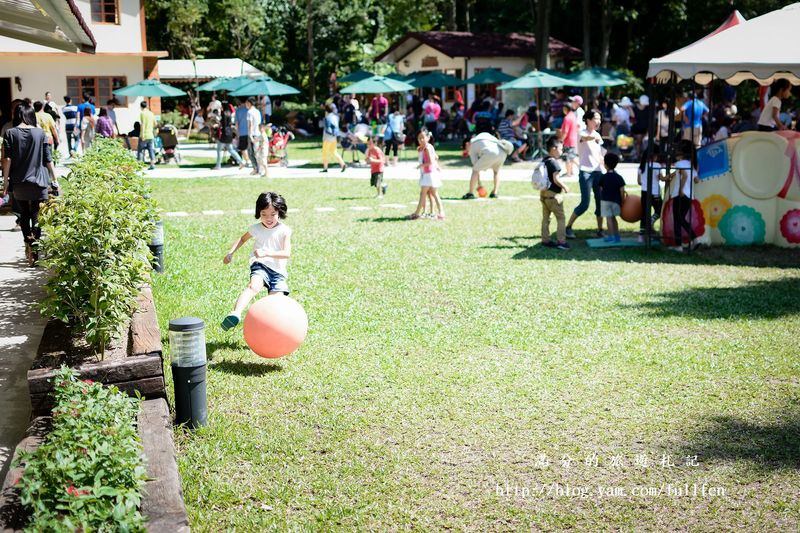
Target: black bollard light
<point>157,247</point>
<point>187,343</point>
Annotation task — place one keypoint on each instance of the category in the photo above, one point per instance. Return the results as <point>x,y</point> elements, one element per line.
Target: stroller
<point>278,147</point>
<point>166,144</point>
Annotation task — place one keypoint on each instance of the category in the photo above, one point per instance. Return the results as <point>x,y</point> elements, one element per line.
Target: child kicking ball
<point>270,256</point>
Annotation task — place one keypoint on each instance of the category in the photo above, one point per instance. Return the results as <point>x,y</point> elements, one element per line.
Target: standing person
<point>376,161</point>
<point>240,119</point>
<point>568,133</point>
<point>50,107</point>
<point>612,193</point>
<point>46,122</point>
<point>649,164</point>
<point>70,113</point>
<point>557,109</point>
<point>253,133</point>
<point>225,135</point>
<point>590,155</point>
<point>664,134</point>
<point>431,111</point>
<point>430,179</point>
<point>214,105</point>
<point>680,191</point>
<point>641,123</point>
<point>622,117</point>
<point>394,135</point>
<point>552,198</point>
<point>27,163</point>
<point>88,124</point>
<point>769,120</point>
<point>507,133</point>
<point>267,109</point>
<point>330,137</point>
<point>111,109</point>
<point>487,152</point>
<point>104,127</point>
<point>694,111</point>
<point>378,109</point>
<point>147,121</point>
<point>87,102</point>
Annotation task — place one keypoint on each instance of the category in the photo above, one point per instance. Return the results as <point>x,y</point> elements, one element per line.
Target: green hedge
<point>89,473</point>
<point>95,243</point>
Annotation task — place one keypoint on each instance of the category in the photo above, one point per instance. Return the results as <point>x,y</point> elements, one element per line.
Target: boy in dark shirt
<point>612,192</point>
<point>552,198</point>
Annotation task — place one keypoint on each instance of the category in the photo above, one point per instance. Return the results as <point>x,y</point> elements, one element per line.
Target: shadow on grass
<point>771,445</point>
<point>385,219</point>
<point>245,368</point>
<point>213,347</point>
<point>761,299</point>
<point>529,247</point>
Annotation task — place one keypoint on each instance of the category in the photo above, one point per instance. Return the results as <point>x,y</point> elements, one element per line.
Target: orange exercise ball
<point>275,326</point>
<point>481,192</point>
<point>632,208</point>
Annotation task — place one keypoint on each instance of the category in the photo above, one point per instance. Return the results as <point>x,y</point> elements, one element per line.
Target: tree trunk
<point>450,22</point>
<point>310,50</point>
<point>543,32</point>
<point>467,8</point>
<point>605,32</point>
<point>587,26</point>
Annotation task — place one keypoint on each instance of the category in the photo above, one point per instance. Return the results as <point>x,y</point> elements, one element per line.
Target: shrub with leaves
<point>88,474</point>
<point>95,243</point>
<point>176,118</point>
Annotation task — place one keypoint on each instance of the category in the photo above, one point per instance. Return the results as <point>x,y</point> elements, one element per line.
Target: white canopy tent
<point>763,49</point>
<point>205,69</point>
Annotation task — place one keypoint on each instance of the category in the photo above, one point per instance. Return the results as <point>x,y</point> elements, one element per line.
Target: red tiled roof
<point>467,44</point>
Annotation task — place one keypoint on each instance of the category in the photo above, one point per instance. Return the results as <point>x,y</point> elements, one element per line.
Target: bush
<point>88,474</point>
<point>95,243</point>
<point>176,118</point>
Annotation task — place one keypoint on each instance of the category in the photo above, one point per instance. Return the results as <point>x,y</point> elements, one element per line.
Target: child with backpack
<point>546,179</point>
<point>612,193</point>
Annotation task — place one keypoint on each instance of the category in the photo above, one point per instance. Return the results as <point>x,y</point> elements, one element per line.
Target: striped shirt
<point>506,129</point>
<point>70,113</point>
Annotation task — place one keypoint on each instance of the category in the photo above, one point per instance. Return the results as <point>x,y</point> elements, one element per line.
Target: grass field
<point>458,376</point>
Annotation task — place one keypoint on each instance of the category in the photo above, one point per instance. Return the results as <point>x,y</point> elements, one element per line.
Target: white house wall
<point>39,74</point>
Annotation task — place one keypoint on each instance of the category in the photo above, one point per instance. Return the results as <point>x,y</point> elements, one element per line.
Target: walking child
<point>552,198</point>
<point>270,256</point>
<point>612,193</point>
<point>262,153</point>
<point>430,179</point>
<point>376,161</point>
<point>650,164</point>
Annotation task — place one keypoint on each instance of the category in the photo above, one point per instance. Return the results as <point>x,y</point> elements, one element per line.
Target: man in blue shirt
<point>693,111</point>
<point>240,118</point>
<point>87,102</point>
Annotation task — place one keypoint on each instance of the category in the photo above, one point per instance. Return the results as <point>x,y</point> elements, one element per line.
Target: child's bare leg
<point>430,200</point>
<point>438,200</point>
<point>253,288</point>
<point>423,194</point>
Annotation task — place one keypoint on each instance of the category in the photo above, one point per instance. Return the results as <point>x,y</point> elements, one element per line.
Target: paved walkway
<point>21,329</point>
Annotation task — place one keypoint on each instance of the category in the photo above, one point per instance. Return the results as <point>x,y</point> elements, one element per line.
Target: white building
<point>464,54</point>
<point>121,58</point>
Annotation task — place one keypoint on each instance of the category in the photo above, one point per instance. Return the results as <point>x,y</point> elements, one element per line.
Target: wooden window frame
<point>102,14</point>
<point>450,92</point>
<point>77,96</point>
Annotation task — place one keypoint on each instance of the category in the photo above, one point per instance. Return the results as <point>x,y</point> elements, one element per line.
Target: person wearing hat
<point>641,122</point>
<point>622,116</point>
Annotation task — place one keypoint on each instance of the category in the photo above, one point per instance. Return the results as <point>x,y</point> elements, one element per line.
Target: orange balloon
<point>632,208</point>
<point>481,192</point>
<point>275,326</point>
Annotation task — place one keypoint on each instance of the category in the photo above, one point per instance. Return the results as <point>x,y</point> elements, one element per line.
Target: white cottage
<point>464,54</point>
<point>29,69</point>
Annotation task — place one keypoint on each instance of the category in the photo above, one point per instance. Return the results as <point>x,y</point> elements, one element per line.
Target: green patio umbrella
<point>149,88</point>
<point>358,75</point>
<point>233,84</point>
<point>399,77</point>
<point>264,86</point>
<point>379,84</point>
<point>490,75</point>
<point>437,80</point>
<point>536,79</point>
<point>596,77</point>
<point>212,85</point>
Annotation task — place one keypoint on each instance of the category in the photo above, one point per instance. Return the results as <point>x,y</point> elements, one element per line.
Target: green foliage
<point>95,243</point>
<point>88,474</point>
<point>176,118</point>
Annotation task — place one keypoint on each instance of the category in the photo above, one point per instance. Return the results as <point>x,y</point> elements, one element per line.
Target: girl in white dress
<point>430,179</point>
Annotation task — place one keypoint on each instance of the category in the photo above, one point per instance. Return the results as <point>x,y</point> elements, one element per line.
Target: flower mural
<point>695,216</point>
<point>742,225</point>
<point>790,226</point>
<point>714,207</point>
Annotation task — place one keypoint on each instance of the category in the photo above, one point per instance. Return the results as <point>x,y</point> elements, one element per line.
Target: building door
<point>5,100</point>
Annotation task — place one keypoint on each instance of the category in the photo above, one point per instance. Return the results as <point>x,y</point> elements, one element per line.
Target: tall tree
<point>450,9</point>
<point>543,11</point>
<point>606,23</point>
<point>310,50</point>
<point>586,16</point>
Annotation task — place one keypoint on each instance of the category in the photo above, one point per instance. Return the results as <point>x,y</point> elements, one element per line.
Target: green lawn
<point>446,360</point>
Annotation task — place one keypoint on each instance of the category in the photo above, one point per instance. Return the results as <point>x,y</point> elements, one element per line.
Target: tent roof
<point>744,51</point>
<point>186,69</point>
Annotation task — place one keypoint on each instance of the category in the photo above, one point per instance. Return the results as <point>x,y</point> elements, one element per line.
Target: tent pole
<point>669,152</point>
<point>651,136</point>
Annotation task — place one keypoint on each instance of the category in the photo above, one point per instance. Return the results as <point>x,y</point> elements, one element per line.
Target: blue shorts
<point>273,281</point>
